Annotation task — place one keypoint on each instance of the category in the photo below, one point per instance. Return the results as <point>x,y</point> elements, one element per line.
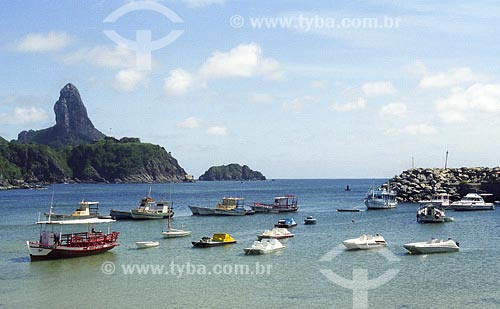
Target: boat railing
<point>85,239</point>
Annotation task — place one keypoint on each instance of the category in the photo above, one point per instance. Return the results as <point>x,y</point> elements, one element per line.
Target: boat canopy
<point>222,237</point>
<point>76,221</point>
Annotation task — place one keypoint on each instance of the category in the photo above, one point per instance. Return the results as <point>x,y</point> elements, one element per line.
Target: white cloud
<point>245,60</point>
<point>129,79</point>
<point>178,82</point>
<point>450,78</point>
<point>189,123</point>
<point>215,130</point>
<point>202,3</point>
<point>360,103</point>
<point>115,57</point>
<point>419,129</point>
<point>461,103</point>
<point>377,88</point>
<point>23,116</point>
<point>45,42</point>
<point>394,109</point>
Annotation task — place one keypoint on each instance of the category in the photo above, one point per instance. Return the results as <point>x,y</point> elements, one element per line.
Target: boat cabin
<point>230,203</point>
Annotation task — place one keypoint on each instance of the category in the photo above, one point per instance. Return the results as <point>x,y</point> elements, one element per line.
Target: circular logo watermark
<point>236,21</point>
<point>108,268</point>
<point>360,283</point>
<point>143,44</point>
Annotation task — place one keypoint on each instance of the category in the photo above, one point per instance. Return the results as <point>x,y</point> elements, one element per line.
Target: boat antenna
<point>149,193</point>
<point>51,206</point>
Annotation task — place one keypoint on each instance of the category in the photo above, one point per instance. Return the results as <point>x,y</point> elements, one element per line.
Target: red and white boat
<point>54,244</point>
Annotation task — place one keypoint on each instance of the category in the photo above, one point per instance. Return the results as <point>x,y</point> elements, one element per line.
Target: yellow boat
<point>218,239</point>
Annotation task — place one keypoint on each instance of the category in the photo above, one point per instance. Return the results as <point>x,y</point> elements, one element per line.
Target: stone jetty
<point>420,183</point>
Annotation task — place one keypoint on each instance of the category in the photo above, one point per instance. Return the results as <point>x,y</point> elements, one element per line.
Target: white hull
<point>205,211</point>
<point>463,207</point>
<point>146,244</point>
<point>265,246</point>
<point>433,246</point>
<point>194,210</point>
<point>365,242</point>
<point>375,204</point>
<point>173,233</point>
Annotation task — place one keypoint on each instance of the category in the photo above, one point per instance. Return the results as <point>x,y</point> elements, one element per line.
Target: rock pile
<point>420,183</point>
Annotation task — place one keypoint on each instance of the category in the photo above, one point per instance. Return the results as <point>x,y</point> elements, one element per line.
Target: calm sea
<point>312,272</point>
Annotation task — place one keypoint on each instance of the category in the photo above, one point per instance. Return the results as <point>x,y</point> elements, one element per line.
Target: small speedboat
<point>218,239</point>
<point>433,246</point>
<point>265,246</point>
<point>146,244</point>
<point>276,233</point>
<point>286,223</point>
<point>365,242</point>
<point>310,220</point>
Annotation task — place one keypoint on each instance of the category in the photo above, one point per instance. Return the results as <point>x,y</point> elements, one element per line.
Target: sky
<point>294,89</point>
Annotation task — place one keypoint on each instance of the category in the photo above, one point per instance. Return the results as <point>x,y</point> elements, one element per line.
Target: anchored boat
<point>380,198</point>
<point>286,203</point>
<point>174,233</point>
<point>84,210</point>
<point>430,213</point>
<point>365,242</point>
<point>230,206</point>
<point>265,246</point>
<point>433,246</point>
<point>218,239</point>
<point>277,233</point>
<point>55,244</point>
<point>472,201</point>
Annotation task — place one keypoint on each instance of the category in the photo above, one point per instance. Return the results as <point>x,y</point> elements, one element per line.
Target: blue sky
<point>317,95</point>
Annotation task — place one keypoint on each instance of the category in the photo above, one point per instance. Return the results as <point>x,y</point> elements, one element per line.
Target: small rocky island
<point>231,172</point>
<point>73,150</point>
<point>420,183</point>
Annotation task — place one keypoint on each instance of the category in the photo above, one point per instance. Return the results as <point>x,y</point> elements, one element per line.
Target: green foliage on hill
<point>108,160</point>
<point>231,172</point>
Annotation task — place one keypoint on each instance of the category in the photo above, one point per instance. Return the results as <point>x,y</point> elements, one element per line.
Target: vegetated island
<point>231,172</point>
<point>420,183</point>
<point>73,150</point>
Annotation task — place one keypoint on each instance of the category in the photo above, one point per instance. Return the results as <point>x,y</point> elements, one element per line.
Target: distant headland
<point>231,172</point>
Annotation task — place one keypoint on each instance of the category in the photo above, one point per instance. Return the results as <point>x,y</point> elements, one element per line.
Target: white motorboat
<point>381,198</point>
<point>365,242</point>
<point>265,246</point>
<point>276,233</point>
<point>146,244</point>
<point>309,220</point>
<point>438,199</point>
<point>472,201</point>
<point>430,213</point>
<point>174,233</point>
<point>432,246</point>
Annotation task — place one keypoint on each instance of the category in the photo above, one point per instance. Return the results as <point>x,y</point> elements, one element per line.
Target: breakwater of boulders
<point>420,183</point>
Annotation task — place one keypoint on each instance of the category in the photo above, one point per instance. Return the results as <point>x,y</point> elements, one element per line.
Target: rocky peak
<point>73,125</point>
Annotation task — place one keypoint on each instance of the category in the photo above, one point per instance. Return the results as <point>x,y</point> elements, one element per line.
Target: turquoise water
<point>468,278</point>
